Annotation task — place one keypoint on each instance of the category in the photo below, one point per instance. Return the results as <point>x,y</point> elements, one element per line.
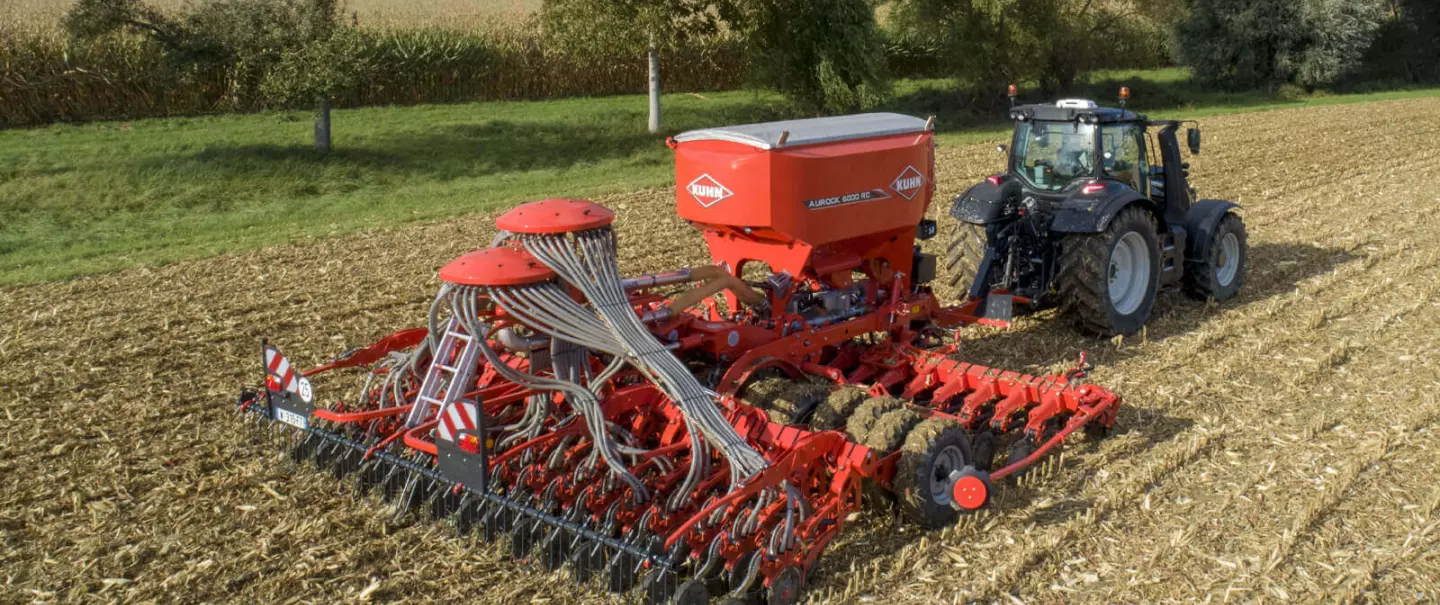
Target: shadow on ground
<point>1049,337</point>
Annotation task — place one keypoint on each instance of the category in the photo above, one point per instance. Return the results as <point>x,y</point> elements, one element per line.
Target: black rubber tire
<point>859,423</point>
<point>915,472</point>
<point>889,431</point>
<point>982,445</point>
<point>785,401</point>
<point>837,408</point>
<point>1019,450</point>
<point>1202,277</point>
<point>963,256</point>
<point>691,592</point>
<point>1083,280</point>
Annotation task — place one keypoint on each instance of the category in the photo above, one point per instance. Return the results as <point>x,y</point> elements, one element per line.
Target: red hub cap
<point>970,492</point>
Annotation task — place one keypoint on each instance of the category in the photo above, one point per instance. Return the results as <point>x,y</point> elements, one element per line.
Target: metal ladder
<point>444,384</point>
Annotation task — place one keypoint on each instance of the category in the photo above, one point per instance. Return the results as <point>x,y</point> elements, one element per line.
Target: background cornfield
<point>438,51</point>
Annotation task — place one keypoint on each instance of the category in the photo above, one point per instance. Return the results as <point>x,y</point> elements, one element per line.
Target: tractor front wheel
<point>1219,269</point>
<point>1108,280</point>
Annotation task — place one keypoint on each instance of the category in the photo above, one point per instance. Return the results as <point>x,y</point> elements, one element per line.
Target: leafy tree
<point>1265,43</point>
<point>278,52</point>
<point>986,44</point>
<point>1407,46</point>
<point>824,55</point>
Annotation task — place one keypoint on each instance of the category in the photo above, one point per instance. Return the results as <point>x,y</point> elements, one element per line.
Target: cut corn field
<point>1281,446</point>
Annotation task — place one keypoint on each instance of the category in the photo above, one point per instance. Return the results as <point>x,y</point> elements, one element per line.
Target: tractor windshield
<point>1048,155</point>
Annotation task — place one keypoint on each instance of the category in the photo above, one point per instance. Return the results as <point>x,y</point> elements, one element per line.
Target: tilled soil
<point>1282,446</point>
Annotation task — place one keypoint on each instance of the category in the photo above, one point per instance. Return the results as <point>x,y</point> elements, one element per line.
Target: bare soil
<point>1282,446</point>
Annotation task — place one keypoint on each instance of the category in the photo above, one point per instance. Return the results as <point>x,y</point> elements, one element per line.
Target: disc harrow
<point>685,435</point>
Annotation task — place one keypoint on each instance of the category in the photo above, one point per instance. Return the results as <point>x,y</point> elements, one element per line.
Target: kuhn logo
<point>708,191</point>
<point>908,183</point>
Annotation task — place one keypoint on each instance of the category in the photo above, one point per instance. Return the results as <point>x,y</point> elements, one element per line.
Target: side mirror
<point>1001,148</point>
<point>1192,138</point>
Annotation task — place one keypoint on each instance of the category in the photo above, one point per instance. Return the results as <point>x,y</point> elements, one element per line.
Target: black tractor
<point>1084,217</point>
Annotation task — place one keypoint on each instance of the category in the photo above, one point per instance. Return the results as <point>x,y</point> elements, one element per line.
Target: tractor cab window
<point>1122,151</point>
<point>1048,155</point>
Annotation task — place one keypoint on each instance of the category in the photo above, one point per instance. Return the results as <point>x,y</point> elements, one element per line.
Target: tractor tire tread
<point>963,255</point>
<point>1081,277</point>
<point>1200,282</point>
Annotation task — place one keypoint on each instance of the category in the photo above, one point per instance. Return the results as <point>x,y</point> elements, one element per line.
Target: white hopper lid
<point>766,135</point>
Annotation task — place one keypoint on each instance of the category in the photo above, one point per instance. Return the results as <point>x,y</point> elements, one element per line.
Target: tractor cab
<point>1077,148</point>
<point>1102,189</point>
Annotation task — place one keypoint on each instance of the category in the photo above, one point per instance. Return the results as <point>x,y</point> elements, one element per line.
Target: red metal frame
<point>765,218</point>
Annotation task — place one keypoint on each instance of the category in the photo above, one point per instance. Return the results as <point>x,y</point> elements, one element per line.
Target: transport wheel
<point>1218,270</point>
<point>936,448</point>
<point>982,444</point>
<point>1107,280</point>
<point>963,255</point>
<point>691,592</point>
<point>870,411</point>
<point>837,408</point>
<point>787,588</point>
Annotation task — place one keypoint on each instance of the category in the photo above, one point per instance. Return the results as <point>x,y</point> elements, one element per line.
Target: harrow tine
<point>410,497</point>
<point>464,517</point>
<point>325,454</point>
<point>522,535</point>
<point>393,482</point>
<point>659,585</point>
<point>347,462</point>
<point>437,502</point>
<point>494,524</point>
<point>367,476</point>
<point>553,549</point>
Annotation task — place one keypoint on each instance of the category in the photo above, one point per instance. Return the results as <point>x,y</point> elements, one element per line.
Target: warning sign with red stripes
<point>458,416</point>
<point>280,375</point>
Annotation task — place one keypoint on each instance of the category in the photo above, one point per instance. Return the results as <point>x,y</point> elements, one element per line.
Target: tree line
<point>839,55</point>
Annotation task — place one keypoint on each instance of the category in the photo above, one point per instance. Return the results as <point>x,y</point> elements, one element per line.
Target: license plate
<point>291,418</point>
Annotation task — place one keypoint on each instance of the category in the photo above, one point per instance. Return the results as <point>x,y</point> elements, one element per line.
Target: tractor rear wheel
<point>936,448</point>
<point>1108,280</point>
<point>963,255</point>
<point>1219,269</point>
